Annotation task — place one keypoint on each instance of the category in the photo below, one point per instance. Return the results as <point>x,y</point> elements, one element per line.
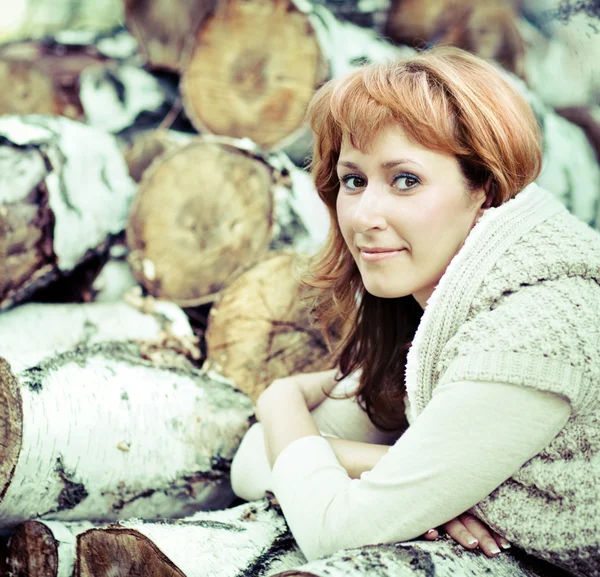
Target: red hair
<point>444,99</point>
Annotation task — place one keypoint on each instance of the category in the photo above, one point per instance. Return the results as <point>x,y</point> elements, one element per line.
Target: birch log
<point>35,331</point>
<point>208,211</point>
<point>64,189</point>
<point>253,540</point>
<point>99,433</point>
<point>248,540</point>
<point>442,558</point>
<point>25,19</point>
<point>44,548</point>
<point>266,306</point>
<point>164,29</point>
<point>241,82</point>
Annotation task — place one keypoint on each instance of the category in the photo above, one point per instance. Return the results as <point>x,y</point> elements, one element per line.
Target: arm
<point>468,441</point>
<point>334,417</point>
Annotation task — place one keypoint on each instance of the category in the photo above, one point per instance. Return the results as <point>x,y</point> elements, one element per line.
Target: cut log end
<point>120,553</point>
<point>11,425</point>
<point>26,89</point>
<point>163,28</point>
<point>255,67</point>
<point>32,551</point>
<point>260,329</point>
<point>200,212</point>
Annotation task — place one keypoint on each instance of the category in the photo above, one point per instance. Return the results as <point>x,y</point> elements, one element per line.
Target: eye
<point>408,181</point>
<point>353,182</point>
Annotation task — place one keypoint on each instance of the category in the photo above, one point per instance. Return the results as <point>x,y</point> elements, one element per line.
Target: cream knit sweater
<point>520,304</point>
<point>517,311</point>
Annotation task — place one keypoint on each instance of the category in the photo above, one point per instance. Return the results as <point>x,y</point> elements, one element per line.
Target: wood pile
<point>151,158</point>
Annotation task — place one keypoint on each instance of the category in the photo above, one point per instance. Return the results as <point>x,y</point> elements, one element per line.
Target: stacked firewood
<point>155,219</point>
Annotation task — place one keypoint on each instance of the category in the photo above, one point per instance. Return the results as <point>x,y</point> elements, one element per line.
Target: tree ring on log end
<point>32,550</point>
<point>11,425</point>
<point>202,214</point>
<point>255,67</point>
<point>260,329</point>
<point>114,552</point>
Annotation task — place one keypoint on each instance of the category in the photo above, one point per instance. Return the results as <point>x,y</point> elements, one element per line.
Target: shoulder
<point>545,335</point>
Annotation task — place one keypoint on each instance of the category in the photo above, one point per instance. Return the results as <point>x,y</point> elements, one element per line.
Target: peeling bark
<point>53,214</point>
<point>33,331</point>
<point>117,408</point>
<point>206,212</point>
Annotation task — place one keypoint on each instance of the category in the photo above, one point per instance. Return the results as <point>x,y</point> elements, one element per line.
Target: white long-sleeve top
<point>471,437</point>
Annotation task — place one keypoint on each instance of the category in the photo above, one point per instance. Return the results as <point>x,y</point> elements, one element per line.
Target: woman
<point>478,315</point>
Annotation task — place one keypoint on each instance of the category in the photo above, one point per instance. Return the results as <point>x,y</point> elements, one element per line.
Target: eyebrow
<point>385,165</point>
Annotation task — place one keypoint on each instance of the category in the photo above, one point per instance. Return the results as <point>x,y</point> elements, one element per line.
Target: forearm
<point>357,457</point>
<point>285,417</point>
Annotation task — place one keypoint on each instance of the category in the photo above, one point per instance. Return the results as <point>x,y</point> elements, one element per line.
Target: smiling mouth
<point>378,254</point>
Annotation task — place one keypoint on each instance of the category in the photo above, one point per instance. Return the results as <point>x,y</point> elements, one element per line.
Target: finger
<point>431,535</point>
<point>487,543</point>
<point>502,542</point>
<point>460,534</point>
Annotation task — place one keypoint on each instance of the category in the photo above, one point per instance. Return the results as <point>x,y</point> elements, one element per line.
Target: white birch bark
<point>344,46</point>
<point>107,435</point>
<point>87,182</point>
<point>442,558</point>
<point>24,19</point>
<point>251,539</point>
<point>34,331</point>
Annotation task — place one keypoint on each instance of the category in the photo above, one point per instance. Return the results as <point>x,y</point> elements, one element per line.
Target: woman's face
<point>404,212</point>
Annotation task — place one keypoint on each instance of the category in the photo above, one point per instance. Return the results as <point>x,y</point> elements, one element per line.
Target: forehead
<point>390,140</point>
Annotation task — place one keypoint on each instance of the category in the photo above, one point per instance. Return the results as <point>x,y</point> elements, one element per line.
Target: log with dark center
<point>163,28</point>
<point>260,329</point>
<point>168,431</point>
<point>255,66</point>
<point>208,211</point>
<point>32,551</point>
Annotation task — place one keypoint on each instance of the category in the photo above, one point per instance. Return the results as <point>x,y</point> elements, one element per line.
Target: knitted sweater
<point>520,304</point>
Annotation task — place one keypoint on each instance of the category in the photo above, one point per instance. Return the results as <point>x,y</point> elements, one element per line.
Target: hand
<point>471,533</point>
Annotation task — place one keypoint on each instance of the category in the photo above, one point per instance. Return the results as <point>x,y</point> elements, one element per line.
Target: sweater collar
<point>448,306</point>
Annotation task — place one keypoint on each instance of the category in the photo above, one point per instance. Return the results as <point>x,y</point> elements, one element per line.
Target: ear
<point>487,198</point>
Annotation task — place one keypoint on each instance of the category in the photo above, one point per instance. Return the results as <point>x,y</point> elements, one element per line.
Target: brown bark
<point>253,70</point>
<point>260,330</point>
<point>201,215</point>
<point>164,28</point>
<point>27,259</point>
<point>44,227</point>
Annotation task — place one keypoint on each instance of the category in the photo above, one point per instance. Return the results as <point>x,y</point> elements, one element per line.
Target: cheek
<point>344,219</point>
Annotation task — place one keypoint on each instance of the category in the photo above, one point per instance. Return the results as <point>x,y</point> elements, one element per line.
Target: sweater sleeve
<point>470,438</point>
<point>335,417</point>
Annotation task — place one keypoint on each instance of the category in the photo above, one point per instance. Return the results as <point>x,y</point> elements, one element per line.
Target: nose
<point>369,211</point>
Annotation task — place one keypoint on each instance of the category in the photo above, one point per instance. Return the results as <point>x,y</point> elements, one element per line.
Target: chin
<point>386,292</point>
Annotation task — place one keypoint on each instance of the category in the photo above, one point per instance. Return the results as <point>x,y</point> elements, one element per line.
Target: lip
<point>376,254</point>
